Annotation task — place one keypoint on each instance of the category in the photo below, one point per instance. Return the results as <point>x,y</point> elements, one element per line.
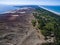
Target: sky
<point>30,2</point>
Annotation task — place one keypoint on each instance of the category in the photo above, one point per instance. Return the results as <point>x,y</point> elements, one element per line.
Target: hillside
<point>16,28</point>
<point>30,25</point>
<point>49,25</point>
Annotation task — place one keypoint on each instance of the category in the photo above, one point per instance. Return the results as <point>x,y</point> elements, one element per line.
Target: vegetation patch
<point>33,22</point>
<point>48,23</point>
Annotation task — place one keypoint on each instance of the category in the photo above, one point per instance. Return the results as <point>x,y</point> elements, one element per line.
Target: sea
<point>54,9</point>
<point>7,8</point>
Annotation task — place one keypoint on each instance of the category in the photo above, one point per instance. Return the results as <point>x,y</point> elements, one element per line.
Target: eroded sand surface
<point>16,29</point>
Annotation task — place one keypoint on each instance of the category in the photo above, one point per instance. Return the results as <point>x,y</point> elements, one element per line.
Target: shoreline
<point>12,11</point>
<point>50,10</point>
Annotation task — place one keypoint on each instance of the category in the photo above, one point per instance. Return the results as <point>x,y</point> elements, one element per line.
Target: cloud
<point>31,2</point>
<point>18,2</point>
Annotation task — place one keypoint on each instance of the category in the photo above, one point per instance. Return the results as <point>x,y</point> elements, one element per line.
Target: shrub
<point>33,22</point>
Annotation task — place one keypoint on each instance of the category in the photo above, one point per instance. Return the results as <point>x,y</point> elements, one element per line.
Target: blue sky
<point>30,2</point>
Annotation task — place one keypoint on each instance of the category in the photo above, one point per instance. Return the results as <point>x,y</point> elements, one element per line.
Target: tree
<point>33,22</point>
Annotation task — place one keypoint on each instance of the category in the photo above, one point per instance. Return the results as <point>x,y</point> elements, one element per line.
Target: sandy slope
<point>16,29</point>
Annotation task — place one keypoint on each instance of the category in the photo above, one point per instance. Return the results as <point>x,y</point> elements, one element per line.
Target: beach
<point>50,10</point>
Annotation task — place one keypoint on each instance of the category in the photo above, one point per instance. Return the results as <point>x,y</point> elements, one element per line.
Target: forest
<point>48,24</point>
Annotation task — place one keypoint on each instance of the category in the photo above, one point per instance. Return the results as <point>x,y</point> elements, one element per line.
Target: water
<point>5,8</point>
<point>55,9</point>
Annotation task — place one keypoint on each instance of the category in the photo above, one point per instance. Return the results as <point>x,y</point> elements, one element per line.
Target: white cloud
<point>33,2</point>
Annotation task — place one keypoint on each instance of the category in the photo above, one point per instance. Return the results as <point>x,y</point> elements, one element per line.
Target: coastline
<point>50,10</point>
<point>12,11</point>
<point>9,11</point>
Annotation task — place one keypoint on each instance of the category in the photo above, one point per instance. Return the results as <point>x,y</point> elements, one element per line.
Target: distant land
<point>7,8</point>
